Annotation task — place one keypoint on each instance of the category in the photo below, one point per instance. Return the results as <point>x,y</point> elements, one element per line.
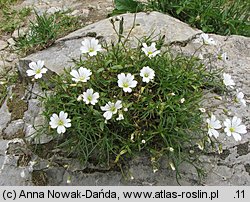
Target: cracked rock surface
<point>231,167</point>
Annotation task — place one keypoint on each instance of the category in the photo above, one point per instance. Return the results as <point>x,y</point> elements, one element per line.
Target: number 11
<point>240,194</point>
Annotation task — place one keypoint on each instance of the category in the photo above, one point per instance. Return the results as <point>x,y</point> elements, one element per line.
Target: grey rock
<point>5,116</point>
<point>21,32</point>
<point>10,173</point>
<point>228,168</point>
<point>14,130</point>
<point>3,44</point>
<point>36,91</point>
<point>11,57</point>
<point>3,147</point>
<point>68,48</point>
<point>53,10</point>
<point>33,136</point>
<point>34,106</point>
<point>85,13</point>
<point>11,42</point>
<point>4,66</point>
<point>34,121</point>
<point>75,13</point>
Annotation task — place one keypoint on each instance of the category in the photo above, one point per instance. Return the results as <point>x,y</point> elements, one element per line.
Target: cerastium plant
<point>118,101</point>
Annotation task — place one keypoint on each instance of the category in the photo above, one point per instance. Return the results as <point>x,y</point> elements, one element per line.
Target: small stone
<point>11,57</point>
<point>32,135</point>
<point>75,13</point>
<point>85,13</point>
<point>4,66</point>
<point>109,9</point>
<point>53,10</point>
<point>19,32</point>
<point>11,42</point>
<point>33,111</point>
<point>5,116</point>
<point>3,45</point>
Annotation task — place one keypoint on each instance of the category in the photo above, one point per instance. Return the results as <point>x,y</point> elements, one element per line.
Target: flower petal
<point>236,136</point>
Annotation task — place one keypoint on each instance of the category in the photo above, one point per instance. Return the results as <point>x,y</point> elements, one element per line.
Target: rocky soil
<point>29,160</point>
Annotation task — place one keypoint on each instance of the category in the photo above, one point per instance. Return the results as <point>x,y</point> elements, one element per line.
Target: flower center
<point>38,71</point>
<point>125,85</point>
<point>82,78</point>
<point>150,52</point>
<point>89,98</point>
<point>232,129</point>
<point>60,123</point>
<point>146,75</point>
<point>209,126</point>
<point>91,50</point>
<point>113,109</point>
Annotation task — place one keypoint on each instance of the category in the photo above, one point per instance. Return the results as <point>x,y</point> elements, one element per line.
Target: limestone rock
<point>3,44</point>
<point>68,48</point>
<point>19,32</point>
<point>5,116</point>
<point>11,41</point>
<point>11,170</point>
<point>229,168</point>
<point>14,130</point>
<point>53,10</point>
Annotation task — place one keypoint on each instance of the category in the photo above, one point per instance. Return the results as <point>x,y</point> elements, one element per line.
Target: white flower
<point>223,57</point>
<point>201,145</point>
<point>171,149</point>
<point>125,109</point>
<point>68,180</point>
<point>22,174</point>
<point>36,69</point>
<point>206,40</point>
<point>227,80</point>
<point>111,108</point>
<point>90,46</point>
<point>233,127</point>
<point>150,51</point>
<point>200,56</point>
<point>82,75</point>
<point>203,110</point>
<point>143,141</point>
<point>212,125</point>
<point>182,100</point>
<point>60,122</point>
<point>90,97</point>
<point>120,117</point>
<point>80,98</point>
<point>126,82</point>
<point>240,98</point>
<point>172,166</point>
<point>147,74</point>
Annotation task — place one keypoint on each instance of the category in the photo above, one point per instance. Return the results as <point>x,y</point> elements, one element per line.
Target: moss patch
<point>39,178</point>
<point>247,167</point>
<point>24,160</point>
<point>17,106</point>
<point>243,149</point>
<point>224,154</point>
<point>44,150</point>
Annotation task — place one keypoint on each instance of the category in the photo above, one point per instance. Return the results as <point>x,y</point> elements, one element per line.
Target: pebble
<point>19,32</point>
<point>85,13</point>
<point>3,45</point>
<point>11,42</point>
<point>53,10</point>
<point>11,57</point>
<point>75,13</point>
<point>110,8</point>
